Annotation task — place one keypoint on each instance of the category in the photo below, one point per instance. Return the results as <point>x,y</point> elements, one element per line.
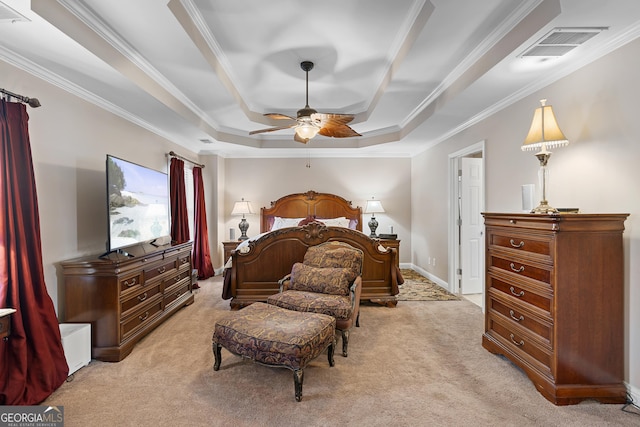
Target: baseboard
<point>634,392</point>
<point>433,278</point>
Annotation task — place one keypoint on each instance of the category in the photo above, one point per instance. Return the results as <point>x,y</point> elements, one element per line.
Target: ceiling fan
<point>309,122</point>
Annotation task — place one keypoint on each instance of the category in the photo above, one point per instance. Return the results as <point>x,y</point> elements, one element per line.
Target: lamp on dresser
<point>241,208</point>
<point>543,134</point>
<point>373,207</point>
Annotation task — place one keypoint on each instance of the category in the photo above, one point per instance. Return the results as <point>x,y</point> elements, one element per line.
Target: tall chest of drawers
<point>126,297</point>
<point>554,302</point>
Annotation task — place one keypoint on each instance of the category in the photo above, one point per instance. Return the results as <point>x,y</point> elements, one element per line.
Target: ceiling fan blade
<point>272,129</point>
<point>279,116</point>
<point>335,125</point>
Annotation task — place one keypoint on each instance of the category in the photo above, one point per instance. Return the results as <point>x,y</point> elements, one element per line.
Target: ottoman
<point>275,336</point>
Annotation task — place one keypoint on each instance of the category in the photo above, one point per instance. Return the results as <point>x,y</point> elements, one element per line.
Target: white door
<point>471,226</point>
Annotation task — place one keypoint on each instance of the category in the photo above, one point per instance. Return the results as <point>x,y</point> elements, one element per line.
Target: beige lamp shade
<point>373,207</point>
<point>241,208</point>
<point>544,131</point>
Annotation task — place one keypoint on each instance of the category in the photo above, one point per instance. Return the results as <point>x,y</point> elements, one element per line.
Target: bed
<point>254,268</point>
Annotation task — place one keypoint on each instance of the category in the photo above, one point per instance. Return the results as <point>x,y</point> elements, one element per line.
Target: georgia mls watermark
<point>31,416</point>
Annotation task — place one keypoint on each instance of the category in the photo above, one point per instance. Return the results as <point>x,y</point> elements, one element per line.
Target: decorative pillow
<point>333,281</point>
<point>334,255</point>
<point>336,222</point>
<point>279,222</point>
<point>309,219</point>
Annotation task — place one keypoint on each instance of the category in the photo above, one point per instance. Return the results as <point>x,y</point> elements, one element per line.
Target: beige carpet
<point>418,288</point>
<point>418,364</point>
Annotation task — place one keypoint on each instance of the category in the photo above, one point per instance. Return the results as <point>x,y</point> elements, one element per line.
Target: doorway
<point>466,225</point>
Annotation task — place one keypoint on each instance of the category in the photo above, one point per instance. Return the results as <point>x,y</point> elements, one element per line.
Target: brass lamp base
<point>544,208</point>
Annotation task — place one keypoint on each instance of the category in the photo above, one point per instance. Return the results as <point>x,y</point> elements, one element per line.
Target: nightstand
<point>228,247</point>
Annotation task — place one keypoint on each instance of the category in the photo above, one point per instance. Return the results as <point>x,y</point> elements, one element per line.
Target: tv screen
<point>138,199</point>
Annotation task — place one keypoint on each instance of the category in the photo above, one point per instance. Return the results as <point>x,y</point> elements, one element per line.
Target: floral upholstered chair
<point>328,281</point>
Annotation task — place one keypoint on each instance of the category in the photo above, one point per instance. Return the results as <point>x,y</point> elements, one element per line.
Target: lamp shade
<point>242,207</point>
<point>373,206</point>
<point>544,131</point>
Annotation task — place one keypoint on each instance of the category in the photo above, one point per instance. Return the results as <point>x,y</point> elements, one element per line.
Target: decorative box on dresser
<point>126,297</point>
<point>554,301</point>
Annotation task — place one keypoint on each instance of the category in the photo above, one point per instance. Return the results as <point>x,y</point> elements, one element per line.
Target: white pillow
<point>335,222</point>
<point>279,222</point>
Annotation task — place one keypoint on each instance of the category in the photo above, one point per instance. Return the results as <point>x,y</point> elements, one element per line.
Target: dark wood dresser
<point>123,297</point>
<point>554,302</point>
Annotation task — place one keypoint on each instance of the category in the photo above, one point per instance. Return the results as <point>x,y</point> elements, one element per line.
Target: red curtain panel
<point>201,255</point>
<point>32,361</point>
<point>179,216</point>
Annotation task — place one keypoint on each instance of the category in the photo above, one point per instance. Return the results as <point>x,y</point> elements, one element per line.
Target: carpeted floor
<point>418,364</point>
<point>418,288</point>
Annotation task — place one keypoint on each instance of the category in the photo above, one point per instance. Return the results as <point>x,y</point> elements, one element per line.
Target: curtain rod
<point>33,102</point>
<point>173,154</point>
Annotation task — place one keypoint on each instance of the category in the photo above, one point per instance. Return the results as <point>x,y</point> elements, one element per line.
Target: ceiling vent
<point>8,15</point>
<point>206,141</point>
<point>561,41</point>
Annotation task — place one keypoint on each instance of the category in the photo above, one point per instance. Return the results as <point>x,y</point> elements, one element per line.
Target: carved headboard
<point>302,205</point>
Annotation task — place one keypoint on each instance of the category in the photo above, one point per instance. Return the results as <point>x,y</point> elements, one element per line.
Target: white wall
<point>597,108</point>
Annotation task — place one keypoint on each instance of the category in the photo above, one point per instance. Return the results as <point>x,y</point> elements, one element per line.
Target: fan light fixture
<point>544,133</point>
<point>307,130</point>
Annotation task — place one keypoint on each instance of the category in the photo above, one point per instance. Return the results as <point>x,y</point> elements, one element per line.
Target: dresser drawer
<point>528,245</point>
<point>520,268</point>
<point>184,259</point>
<point>171,281</point>
<point>130,283</point>
<point>143,294</point>
<point>520,343</point>
<point>521,292</point>
<point>143,315</point>
<point>176,291</point>
<point>159,269</point>
<point>521,317</point>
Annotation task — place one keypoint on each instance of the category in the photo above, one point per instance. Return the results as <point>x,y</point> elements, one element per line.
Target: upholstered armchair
<point>328,281</point>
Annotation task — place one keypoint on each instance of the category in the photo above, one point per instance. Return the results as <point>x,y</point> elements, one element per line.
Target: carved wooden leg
<point>298,377</point>
<point>345,342</point>
<point>217,353</point>
<point>330,354</point>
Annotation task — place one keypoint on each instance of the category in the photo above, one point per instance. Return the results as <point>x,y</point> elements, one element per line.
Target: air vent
<point>206,141</point>
<point>8,15</point>
<point>561,41</point>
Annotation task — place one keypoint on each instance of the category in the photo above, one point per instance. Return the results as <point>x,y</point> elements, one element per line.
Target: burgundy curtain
<point>201,255</point>
<point>32,361</point>
<point>179,216</point>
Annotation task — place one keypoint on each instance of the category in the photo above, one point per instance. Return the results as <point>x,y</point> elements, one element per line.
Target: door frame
<point>454,253</point>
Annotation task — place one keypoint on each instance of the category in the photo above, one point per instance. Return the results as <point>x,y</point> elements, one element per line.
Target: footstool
<point>275,336</point>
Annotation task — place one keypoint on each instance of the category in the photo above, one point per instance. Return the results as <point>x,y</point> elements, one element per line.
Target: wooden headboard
<point>302,205</point>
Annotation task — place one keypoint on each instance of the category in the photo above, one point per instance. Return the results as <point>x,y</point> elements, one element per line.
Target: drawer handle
<point>517,270</point>
<point>517,319</point>
<point>513,292</point>
<point>519,245</point>
<point>130,284</point>
<point>177,279</point>
<point>142,297</point>
<point>162,270</point>
<point>521,343</point>
<point>144,317</point>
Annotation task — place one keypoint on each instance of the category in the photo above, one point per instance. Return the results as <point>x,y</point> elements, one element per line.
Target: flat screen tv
<point>138,200</point>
